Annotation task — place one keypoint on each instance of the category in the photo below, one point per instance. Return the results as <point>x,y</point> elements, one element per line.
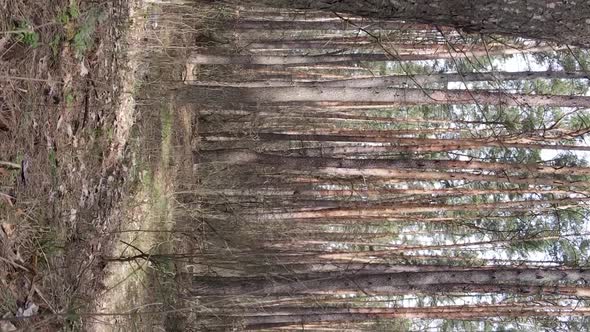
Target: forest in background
<point>358,173</point>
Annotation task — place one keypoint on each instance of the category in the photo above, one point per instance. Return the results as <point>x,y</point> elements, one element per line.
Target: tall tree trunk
<point>403,80</point>
<point>557,21</point>
<point>411,144</point>
<point>334,23</point>
<point>396,96</point>
<point>302,317</point>
<point>273,60</point>
<point>401,210</point>
<point>402,282</point>
<point>239,156</point>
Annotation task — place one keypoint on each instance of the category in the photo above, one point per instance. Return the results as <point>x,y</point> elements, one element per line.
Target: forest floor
<point>84,179</point>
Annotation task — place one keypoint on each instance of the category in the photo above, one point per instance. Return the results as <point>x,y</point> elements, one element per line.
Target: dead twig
<point>9,165</point>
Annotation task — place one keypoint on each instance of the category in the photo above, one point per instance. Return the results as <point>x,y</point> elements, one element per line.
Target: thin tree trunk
<point>397,96</point>
<point>302,317</point>
<point>402,283</point>
<point>405,80</point>
<point>270,60</point>
<point>410,144</point>
<point>240,156</point>
<point>392,211</point>
<point>328,24</point>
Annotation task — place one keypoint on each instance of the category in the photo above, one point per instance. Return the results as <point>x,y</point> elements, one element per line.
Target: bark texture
<point>404,282</point>
<point>557,21</point>
<point>397,96</point>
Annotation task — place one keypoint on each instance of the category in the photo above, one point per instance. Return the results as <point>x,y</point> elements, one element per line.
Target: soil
<point>66,112</point>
